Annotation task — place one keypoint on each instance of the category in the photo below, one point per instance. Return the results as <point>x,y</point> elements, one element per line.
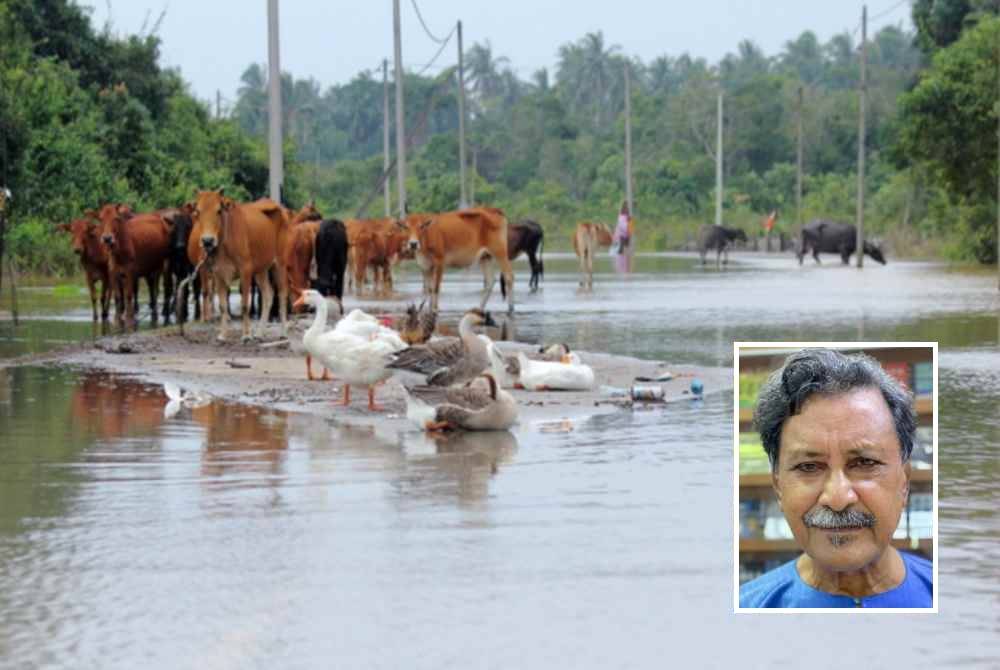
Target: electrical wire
<point>888,11</point>
<point>439,52</point>
<point>426,29</point>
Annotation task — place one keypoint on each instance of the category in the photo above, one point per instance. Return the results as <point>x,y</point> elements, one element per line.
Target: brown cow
<point>377,244</point>
<point>588,238</point>
<point>457,240</point>
<point>243,241</point>
<point>93,257</point>
<point>299,253</point>
<point>139,247</point>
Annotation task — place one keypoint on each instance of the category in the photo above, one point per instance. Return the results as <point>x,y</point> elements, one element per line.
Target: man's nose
<point>838,491</point>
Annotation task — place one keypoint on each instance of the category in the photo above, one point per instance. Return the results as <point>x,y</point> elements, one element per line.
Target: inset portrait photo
<point>835,487</point>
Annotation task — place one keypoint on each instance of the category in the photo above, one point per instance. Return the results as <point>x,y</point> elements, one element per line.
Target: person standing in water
<point>623,240</point>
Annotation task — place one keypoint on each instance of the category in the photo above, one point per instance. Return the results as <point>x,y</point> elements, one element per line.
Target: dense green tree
<point>949,124</point>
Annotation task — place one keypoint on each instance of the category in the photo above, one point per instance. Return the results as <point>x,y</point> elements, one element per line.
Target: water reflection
<point>455,465</point>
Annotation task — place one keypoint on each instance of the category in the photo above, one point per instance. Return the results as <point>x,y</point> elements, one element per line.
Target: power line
<point>426,29</point>
<point>439,52</point>
<point>888,11</point>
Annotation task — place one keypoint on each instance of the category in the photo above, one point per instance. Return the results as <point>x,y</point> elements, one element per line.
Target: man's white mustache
<point>824,517</point>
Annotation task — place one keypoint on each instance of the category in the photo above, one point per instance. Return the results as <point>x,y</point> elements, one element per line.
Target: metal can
<point>647,393</point>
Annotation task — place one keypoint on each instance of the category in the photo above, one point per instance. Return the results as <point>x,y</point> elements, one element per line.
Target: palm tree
<point>483,72</point>
<point>588,71</point>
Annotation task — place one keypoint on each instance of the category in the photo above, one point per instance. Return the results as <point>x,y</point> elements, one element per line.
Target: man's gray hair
<point>827,372</point>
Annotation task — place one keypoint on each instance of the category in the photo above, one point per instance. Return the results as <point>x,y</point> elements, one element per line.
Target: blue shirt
<point>782,587</point>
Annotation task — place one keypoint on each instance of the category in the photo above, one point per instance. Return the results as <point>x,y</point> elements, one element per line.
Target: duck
<point>468,407</point>
<point>450,361</point>
<point>355,357</point>
<point>418,325</point>
<point>568,375</point>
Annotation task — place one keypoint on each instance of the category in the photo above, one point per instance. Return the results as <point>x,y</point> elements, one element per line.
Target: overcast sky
<point>213,41</point>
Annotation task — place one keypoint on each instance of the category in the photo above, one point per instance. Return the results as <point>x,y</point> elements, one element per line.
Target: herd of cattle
<point>213,240</point>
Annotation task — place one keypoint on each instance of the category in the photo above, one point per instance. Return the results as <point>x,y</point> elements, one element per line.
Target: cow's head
<point>307,213</point>
<point>112,218</point>
<point>181,225</point>
<point>83,235</point>
<point>738,235</point>
<point>874,249</point>
<point>211,210</point>
<point>414,225</point>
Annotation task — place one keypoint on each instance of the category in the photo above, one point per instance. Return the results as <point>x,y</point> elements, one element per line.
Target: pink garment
<point>621,245</point>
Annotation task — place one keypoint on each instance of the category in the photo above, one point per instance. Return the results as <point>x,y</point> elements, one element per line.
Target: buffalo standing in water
<point>834,238</point>
<point>718,238</point>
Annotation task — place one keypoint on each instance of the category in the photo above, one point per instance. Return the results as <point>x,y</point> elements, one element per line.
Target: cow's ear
<point>222,191</point>
<point>425,224</point>
<point>91,214</point>
<point>64,227</point>
<point>227,203</point>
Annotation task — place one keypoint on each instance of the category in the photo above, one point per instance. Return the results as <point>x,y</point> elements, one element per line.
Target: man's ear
<point>774,485</point>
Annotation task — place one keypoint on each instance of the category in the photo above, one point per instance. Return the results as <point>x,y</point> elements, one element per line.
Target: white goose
<point>356,359</point>
<point>569,375</point>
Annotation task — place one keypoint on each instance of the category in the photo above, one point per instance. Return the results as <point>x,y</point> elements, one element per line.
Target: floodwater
<point>233,536</point>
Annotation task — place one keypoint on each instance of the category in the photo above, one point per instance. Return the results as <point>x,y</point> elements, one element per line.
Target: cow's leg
<point>105,297</point>
<point>536,271</point>
<point>222,293</point>
<point>129,290</point>
<point>93,294</point>
<point>590,267</point>
<point>816,254</point>
<point>168,294</point>
<point>281,276</point>
<point>508,273</point>
<point>266,297</point>
<point>489,278</point>
<point>152,282</point>
<point>437,274</point>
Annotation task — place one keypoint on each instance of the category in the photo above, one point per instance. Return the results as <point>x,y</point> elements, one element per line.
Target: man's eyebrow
<point>805,452</point>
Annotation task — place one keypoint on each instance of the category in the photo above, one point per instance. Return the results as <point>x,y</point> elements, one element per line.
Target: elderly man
<point>838,432</point>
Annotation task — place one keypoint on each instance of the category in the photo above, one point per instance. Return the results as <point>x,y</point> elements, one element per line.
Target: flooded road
<point>235,536</point>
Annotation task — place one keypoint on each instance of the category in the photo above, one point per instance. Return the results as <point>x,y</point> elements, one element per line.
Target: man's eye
<point>807,467</point>
<point>865,463</point>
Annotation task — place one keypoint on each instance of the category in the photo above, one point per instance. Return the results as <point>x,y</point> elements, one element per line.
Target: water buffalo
<point>836,238</point>
<point>525,237</point>
<point>718,238</point>
<point>331,259</point>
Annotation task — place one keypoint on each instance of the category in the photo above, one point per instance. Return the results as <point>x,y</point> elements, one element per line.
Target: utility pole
<point>472,182</point>
<point>463,199</point>
<point>998,170</point>
<point>628,141</point>
<point>798,168</point>
<point>277,176</point>
<point>859,241</point>
<point>718,165</point>
<point>385,136</point>
<point>218,104</point>
<point>400,131</point>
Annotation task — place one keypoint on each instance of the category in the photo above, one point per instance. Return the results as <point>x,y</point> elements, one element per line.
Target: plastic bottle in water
<point>613,391</point>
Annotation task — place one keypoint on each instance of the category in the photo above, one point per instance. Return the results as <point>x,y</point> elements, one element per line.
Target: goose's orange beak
<point>566,358</point>
<point>301,302</point>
